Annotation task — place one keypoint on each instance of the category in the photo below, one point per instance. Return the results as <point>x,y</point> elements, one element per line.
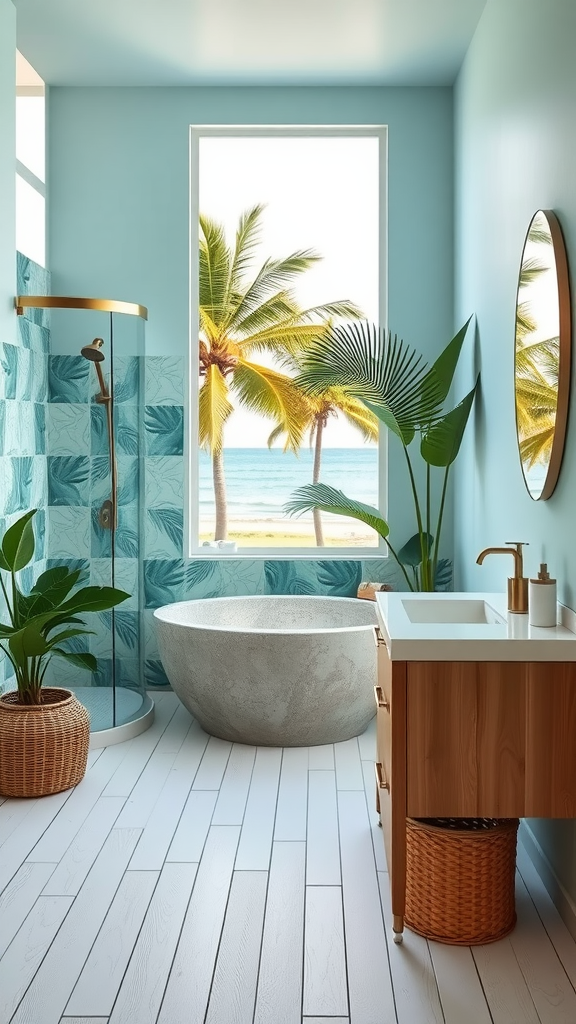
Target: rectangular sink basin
<point>431,610</point>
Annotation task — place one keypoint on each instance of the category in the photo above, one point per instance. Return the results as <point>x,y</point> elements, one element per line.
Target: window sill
<point>293,554</point>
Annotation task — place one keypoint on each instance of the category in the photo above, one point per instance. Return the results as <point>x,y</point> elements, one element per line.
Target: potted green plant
<point>44,731</point>
<point>408,396</point>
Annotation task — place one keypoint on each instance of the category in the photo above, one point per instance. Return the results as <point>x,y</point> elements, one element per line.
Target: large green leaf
<point>28,642</point>
<point>386,416</point>
<point>94,599</point>
<point>18,544</point>
<point>51,589</point>
<point>82,660</point>
<point>441,443</point>
<point>382,371</point>
<point>59,620</point>
<point>443,370</point>
<point>66,634</point>
<point>329,499</point>
<point>411,553</point>
<point>89,599</point>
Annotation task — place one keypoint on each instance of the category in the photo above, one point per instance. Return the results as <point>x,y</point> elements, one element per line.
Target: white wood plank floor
<point>191,881</point>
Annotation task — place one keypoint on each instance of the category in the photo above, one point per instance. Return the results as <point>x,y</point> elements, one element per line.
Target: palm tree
<point>319,409</point>
<point>536,364</point>
<point>536,386</point>
<point>242,313</point>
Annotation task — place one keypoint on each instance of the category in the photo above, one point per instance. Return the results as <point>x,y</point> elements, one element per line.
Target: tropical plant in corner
<point>407,396</point>
<point>44,619</point>
<point>244,312</point>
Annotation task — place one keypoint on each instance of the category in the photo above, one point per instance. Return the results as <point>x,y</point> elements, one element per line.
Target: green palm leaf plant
<point>407,396</point>
<point>245,314</point>
<point>42,621</point>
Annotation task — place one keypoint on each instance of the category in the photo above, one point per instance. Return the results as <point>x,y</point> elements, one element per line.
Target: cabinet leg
<point>398,929</point>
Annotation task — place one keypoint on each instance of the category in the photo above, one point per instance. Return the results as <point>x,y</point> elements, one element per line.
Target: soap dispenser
<point>542,599</point>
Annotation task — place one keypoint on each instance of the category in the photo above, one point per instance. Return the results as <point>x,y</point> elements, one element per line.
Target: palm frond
<point>539,398</point>
<point>330,499</point>
<point>214,408</point>
<point>214,269</point>
<point>537,446</point>
<point>539,360</point>
<point>288,339</point>
<point>275,435</point>
<point>525,322</point>
<point>539,231</point>
<point>273,395</point>
<point>278,308</point>
<point>345,309</point>
<point>356,413</point>
<point>207,325</point>
<point>531,270</point>
<point>382,371</point>
<point>274,275</point>
<point>247,239</point>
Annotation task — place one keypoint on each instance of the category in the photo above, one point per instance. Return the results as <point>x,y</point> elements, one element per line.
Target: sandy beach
<point>288,532</point>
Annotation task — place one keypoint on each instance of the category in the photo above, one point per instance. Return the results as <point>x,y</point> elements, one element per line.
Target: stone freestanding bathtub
<point>272,670</point>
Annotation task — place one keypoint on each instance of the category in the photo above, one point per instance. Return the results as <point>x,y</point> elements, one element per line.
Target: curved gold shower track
<point>76,302</point>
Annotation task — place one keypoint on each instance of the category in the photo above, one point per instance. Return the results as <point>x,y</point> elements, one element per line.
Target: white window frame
<point>191,451</point>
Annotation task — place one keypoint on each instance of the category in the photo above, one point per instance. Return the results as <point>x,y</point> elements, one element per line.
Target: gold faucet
<point>518,583</point>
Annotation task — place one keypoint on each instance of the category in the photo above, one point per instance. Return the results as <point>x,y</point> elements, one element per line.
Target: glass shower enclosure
<point>94,521</point>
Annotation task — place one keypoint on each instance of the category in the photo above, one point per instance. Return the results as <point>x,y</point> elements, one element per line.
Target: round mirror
<point>542,354</point>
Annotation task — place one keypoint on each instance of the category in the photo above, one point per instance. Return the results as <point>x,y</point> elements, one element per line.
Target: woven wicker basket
<point>43,747</point>
<point>460,878</point>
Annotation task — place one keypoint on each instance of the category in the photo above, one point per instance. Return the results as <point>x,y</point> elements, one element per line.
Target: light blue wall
<point>7,177</point>
<point>119,173</point>
<point>515,138</point>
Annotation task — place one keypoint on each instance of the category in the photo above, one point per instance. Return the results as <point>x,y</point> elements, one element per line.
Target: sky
<point>320,193</point>
<point>30,205</point>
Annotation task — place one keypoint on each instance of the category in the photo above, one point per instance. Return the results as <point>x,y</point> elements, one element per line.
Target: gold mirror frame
<point>553,360</point>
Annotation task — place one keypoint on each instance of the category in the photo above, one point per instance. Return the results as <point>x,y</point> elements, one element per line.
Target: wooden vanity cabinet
<point>471,739</point>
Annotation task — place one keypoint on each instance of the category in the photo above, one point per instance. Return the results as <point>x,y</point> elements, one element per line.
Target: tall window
<point>30,162</point>
<point>287,237</point>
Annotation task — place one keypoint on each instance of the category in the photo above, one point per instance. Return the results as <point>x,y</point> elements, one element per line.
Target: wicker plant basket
<point>43,747</point>
<point>460,878</point>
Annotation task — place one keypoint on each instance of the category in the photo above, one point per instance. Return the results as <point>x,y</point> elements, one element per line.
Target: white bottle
<point>542,599</point>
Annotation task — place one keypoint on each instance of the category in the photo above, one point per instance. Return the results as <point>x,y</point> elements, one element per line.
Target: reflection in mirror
<point>542,354</point>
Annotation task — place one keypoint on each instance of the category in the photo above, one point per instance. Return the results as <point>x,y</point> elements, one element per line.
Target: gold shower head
<point>93,351</point>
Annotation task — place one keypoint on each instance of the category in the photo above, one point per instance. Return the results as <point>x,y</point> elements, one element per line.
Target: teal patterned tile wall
<point>23,397</point>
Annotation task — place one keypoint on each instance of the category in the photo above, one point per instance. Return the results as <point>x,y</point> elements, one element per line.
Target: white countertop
<point>511,639</point>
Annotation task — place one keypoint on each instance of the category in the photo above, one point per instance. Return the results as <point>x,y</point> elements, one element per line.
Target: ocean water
<point>260,480</point>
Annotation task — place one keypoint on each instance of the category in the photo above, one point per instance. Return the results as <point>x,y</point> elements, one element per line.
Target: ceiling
<point>246,42</point>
